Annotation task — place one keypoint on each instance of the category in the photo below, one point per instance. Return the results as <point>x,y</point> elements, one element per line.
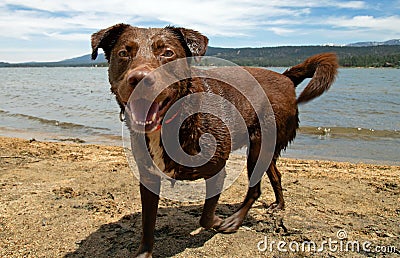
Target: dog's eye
<point>123,53</point>
<point>168,53</point>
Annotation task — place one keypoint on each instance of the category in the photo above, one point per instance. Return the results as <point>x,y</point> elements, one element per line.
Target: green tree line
<point>376,56</point>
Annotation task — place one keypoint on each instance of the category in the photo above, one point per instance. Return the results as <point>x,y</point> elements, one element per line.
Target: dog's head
<point>133,53</point>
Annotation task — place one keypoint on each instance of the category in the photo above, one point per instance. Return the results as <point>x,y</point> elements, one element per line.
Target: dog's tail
<point>322,68</point>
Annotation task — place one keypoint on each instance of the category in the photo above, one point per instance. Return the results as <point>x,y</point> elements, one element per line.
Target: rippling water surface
<point>357,120</point>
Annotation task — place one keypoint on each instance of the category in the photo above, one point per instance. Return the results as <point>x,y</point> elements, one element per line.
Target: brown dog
<point>133,53</point>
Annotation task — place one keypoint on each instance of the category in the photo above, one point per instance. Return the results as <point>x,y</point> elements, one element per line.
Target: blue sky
<point>53,30</point>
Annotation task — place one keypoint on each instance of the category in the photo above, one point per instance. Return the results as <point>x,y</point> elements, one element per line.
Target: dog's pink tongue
<point>138,109</point>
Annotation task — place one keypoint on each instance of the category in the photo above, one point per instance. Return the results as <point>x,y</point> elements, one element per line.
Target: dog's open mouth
<point>145,115</point>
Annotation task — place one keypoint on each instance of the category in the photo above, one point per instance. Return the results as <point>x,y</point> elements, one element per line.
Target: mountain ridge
<point>378,54</point>
<point>391,42</point>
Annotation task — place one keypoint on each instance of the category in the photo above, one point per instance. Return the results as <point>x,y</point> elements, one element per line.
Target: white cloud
<point>316,3</point>
<point>390,23</point>
<point>70,36</point>
<point>228,18</point>
<point>280,31</point>
<point>73,21</point>
<point>352,4</point>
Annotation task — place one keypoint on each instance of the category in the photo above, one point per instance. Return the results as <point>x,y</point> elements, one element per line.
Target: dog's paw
<point>144,255</point>
<point>275,207</point>
<point>144,252</point>
<point>214,223</point>
<point>231,224</point>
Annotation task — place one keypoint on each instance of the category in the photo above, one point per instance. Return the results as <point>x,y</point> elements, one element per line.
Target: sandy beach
<point>77,200</point>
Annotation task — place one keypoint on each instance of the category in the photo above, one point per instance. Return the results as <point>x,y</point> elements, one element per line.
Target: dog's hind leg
<point>232,223</point>
<point>275,178</point>
<point>213,191</point>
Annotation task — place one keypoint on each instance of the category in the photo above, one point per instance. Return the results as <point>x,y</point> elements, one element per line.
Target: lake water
<point>357,120</point>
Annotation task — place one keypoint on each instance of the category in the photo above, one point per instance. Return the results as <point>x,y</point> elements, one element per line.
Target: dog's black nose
<point>136,76</point>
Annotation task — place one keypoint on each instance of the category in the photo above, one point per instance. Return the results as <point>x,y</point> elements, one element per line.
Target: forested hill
<point>349,56</point>
<point>374,56</point>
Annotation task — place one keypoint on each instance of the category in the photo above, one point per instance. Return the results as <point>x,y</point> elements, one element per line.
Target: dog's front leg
<point>214,188</point>
<point>149,193</point>
<point>149,189</point>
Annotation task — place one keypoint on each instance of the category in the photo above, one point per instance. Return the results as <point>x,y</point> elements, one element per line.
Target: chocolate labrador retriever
<point>133,53</point>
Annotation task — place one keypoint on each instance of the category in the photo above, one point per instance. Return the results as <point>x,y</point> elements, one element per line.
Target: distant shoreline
<point>283,56</point>
<point>105,66</point>
<point>117,141</point>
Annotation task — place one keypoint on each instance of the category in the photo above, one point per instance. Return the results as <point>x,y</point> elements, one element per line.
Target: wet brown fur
<point>145,48</point>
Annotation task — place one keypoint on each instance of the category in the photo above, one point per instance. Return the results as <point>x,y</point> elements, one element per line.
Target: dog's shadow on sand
<point>172,236</point>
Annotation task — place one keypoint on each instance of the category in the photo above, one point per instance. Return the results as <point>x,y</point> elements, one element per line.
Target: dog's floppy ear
<point>106,39</point>
<point>195,41</point>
